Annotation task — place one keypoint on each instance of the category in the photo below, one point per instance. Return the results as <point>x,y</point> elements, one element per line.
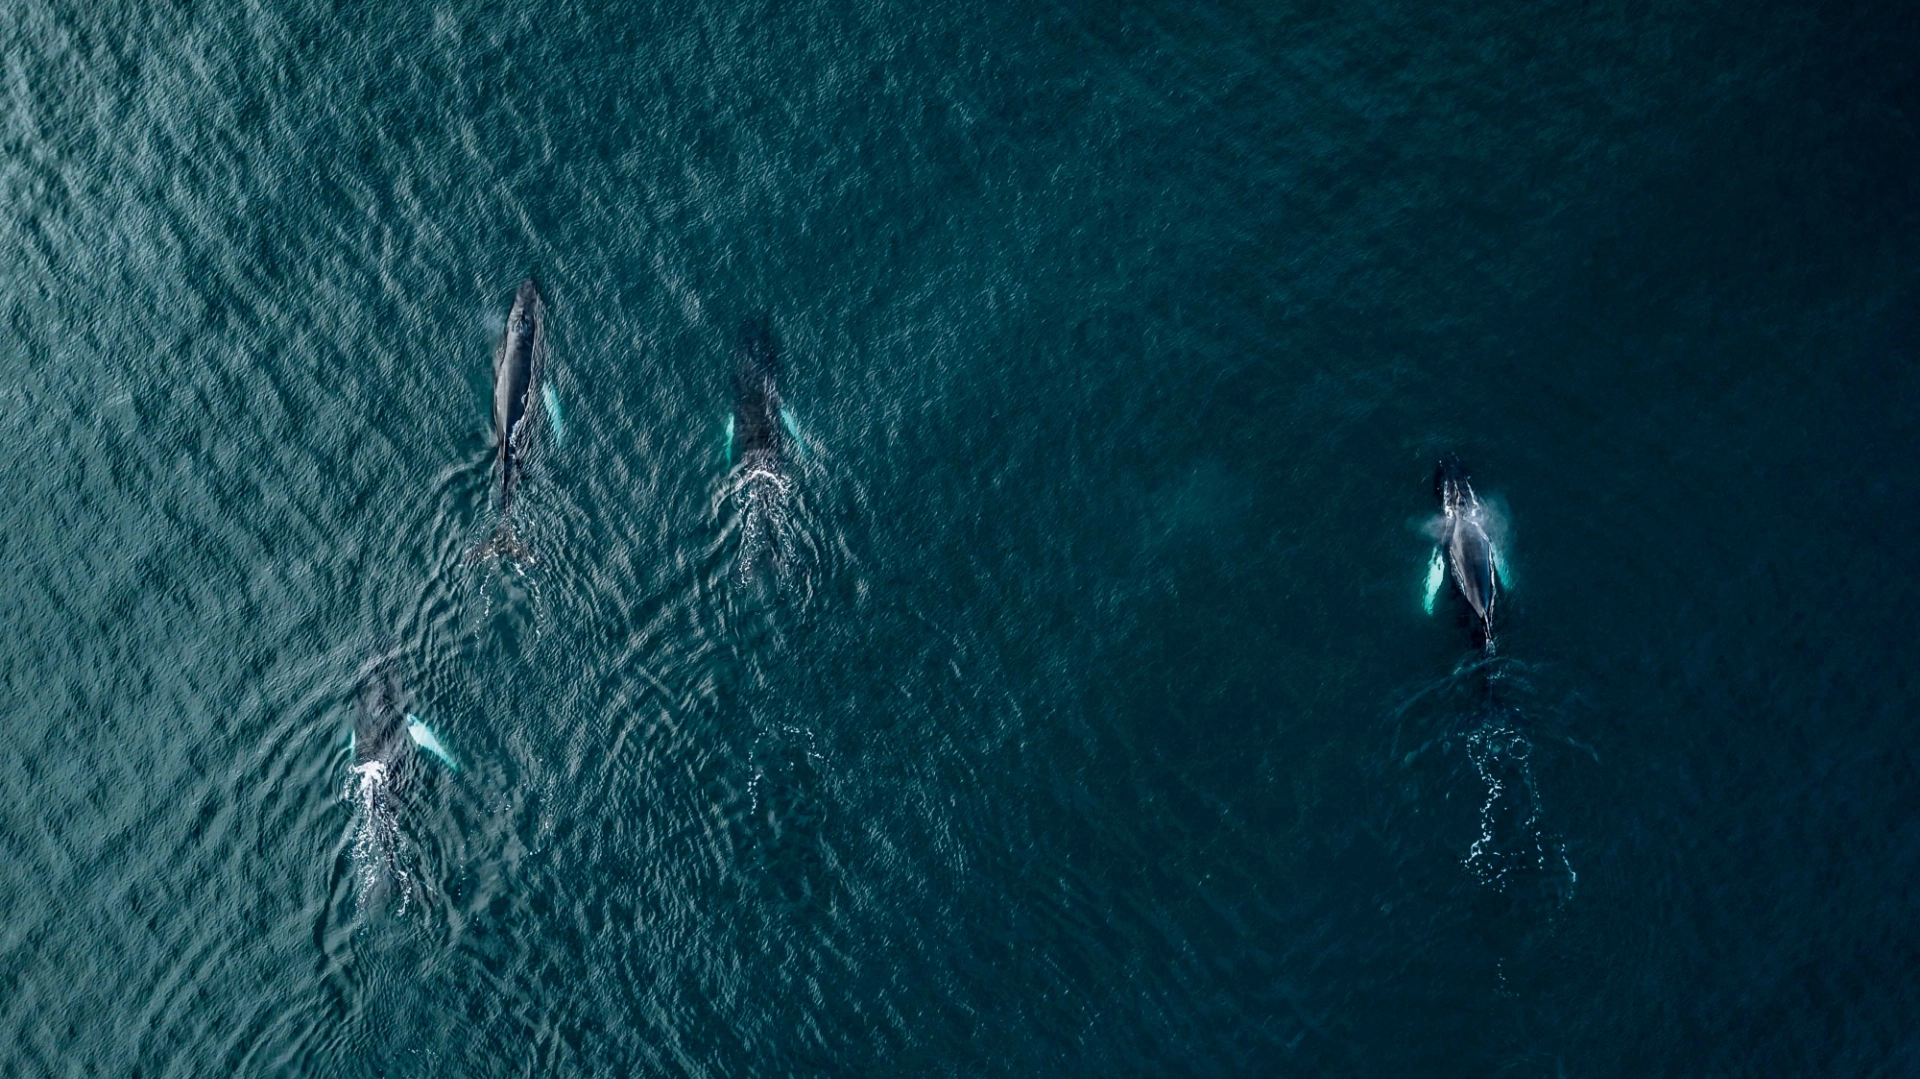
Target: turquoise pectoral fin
<point>554,415</point>
<point>726,443</point>
<point>793,428</point>
<point>1500,568</point>
<point>1436,576</point>
<point>424,737</point>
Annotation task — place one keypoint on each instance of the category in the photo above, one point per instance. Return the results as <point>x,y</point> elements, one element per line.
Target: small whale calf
<point>517,368</point>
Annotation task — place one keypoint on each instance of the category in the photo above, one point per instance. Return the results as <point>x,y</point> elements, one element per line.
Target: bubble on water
<point>1512,841</point>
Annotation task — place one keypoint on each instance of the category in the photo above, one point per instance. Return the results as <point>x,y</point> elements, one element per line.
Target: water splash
<point>1490,707</point>
<point>378,849</point>
<point>777,552</point>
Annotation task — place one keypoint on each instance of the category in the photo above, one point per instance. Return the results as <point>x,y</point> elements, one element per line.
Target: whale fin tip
<point>1436,576</point>
<point>554,415</point>
<point>792,424</point>
<point>424,737</point>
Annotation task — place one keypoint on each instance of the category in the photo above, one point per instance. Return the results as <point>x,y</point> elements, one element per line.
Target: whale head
<point>1451,487</point>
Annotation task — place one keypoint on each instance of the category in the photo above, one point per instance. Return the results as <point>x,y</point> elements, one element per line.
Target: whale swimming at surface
<point>756,436</point>
<point>385,771</point>
<point>1466,553</point>
<point>517,369</point>
<point>761,440</point>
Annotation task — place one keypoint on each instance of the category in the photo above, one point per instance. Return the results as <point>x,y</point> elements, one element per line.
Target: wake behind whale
<point>1482,698</point>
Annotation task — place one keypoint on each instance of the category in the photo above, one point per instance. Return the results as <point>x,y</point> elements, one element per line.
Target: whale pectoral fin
<point>726,442</point>
<point>1500,574</point>
<point>1436,576</point>
<point>554,415</point>
<point>424,737</point>
<point>793,428</point>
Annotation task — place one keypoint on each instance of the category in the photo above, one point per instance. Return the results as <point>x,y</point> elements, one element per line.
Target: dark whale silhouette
<point>384,770</point>
<point>759,440</point>
<point>387,740</point>
<point>516,372</point>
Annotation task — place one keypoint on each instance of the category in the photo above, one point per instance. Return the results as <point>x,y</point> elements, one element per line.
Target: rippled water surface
<point>1089,722</point>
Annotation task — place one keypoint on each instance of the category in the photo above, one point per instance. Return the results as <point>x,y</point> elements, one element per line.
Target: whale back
<point>380,724</point>
<point>514,366</point>
<point>1470,555</point>
<point>756,392</point>
<point>1469,550</point>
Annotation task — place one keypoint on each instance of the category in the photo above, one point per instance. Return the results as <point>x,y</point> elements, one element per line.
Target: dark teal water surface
<point>1101,731</point>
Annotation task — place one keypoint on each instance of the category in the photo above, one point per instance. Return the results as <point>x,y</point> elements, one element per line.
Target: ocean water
<point>1094,726</point>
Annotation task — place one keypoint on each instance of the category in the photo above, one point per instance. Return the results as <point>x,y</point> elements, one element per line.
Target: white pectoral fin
<point>1500,567</point>
<point>793,429</point>
<point>1436,576</point>
<point>424,737</point>
<point>554,415</point>
<point>726,447</point>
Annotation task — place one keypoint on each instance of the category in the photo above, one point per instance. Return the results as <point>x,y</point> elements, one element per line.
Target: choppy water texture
<point>1096,727</point>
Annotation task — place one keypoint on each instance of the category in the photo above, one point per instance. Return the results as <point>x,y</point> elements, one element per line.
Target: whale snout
<point>755,345</point>
<point>1450,486</point>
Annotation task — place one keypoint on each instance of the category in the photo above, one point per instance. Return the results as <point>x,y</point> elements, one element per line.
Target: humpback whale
<point>516,371</point>
<point>761,438</point>
<point>1466,553</point>
<point>757,438</point>
<point>383,769</point>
